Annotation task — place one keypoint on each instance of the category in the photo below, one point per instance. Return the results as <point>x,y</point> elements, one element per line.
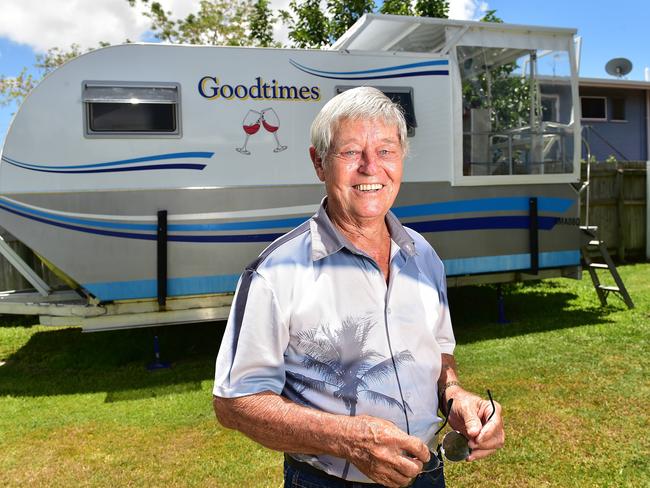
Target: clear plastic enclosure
<point>517,111</point>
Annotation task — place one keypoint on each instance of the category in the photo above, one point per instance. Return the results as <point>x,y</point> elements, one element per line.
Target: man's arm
<point>469,413</point>
<point>377,447</point>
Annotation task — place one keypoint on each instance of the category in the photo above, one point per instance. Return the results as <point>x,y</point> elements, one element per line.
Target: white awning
<point>397,33</point>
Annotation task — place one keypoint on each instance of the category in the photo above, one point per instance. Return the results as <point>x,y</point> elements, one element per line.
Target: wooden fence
<point>10,278</point>
<point>617,205</point>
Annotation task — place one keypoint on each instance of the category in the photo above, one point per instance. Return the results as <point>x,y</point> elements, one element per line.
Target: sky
<point>29,27</point>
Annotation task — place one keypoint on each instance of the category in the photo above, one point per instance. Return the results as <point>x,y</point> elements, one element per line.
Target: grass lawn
<point>574,379</point>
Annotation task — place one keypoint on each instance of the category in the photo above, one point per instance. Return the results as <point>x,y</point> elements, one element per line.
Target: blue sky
<point>608,29</point>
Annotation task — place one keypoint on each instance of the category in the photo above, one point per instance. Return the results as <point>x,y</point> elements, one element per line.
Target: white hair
<point>361,103</point>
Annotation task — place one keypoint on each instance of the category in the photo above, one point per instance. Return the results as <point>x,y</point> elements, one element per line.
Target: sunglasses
<point>454,446</point>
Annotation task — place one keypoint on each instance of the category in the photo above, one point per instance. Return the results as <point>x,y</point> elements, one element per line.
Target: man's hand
<point>469,415</point>
<point>383,452</point>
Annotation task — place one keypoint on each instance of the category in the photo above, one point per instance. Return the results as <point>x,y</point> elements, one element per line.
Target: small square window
<point>126,109</point>
<point>594,108</point>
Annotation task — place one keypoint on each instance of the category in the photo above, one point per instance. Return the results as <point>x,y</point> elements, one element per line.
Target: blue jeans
<point>297,478</point>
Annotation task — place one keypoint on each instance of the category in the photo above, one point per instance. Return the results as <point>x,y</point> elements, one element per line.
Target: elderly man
<point>339,345</point>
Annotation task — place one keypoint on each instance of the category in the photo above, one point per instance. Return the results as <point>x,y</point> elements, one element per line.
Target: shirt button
<point>388,310</point>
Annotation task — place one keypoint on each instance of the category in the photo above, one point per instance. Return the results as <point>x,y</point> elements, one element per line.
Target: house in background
<point>615,116</point>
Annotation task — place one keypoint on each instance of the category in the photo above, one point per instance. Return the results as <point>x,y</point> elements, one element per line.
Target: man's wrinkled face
<point>363,170</point>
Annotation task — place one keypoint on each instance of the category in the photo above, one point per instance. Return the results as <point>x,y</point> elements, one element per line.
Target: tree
<point>307,23</point>
<point>15,89</point>
<point>491,16</point>
<point>343,14</point>
<point>261,24</point>
<point>309,26</point>
<point>432,8</point>
<point>397,7</point>
<point>218,22</point>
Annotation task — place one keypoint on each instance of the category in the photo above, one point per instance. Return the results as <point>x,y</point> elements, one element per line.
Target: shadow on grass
<point>529,307</point>
<point>67,361</point>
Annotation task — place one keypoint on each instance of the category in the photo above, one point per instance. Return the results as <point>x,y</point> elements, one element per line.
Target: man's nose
<point>368,164</point>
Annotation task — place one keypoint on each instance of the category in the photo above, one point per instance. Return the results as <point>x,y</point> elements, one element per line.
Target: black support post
<point>162,257</point>
<point>533,235</point>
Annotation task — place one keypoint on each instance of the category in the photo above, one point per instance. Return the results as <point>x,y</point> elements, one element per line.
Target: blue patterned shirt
<point>314,320</point>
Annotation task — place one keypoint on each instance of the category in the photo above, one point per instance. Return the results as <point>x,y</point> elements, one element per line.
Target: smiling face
<point>363,171</point>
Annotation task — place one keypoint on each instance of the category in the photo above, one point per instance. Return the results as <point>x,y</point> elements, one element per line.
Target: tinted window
<point>401,96</point>
<point>128,117</point>
<point>593,108</point>
<point>405,100</point>
<point>114,108</point>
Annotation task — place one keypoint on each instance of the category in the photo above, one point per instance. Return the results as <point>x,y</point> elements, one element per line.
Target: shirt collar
<point>327,240</point>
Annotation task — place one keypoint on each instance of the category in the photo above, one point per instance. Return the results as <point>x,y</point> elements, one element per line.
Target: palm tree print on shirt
<point>345,366</point>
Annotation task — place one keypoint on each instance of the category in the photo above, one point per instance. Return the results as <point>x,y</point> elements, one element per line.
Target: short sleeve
<point>431,264</point>
<point>251,356</point>
<point>444,330</point>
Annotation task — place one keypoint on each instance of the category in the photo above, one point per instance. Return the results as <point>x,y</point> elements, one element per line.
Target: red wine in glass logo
<point>252,123</point>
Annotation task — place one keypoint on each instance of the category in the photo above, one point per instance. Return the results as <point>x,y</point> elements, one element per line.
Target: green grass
<point>573,378</point>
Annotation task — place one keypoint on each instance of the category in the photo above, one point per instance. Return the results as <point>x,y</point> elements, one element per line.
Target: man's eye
<point>386,153</point>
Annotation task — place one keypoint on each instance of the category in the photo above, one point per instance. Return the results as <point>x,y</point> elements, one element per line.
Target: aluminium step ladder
<point>593,245</point>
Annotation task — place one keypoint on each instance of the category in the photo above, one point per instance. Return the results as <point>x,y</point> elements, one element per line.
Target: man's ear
<point>318,163</point>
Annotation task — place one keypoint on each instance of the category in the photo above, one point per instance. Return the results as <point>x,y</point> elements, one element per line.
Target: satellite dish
<point>618,67</point>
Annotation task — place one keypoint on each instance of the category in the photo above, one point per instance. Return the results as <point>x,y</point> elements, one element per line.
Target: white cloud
<point>42,25</point>
<point>60,23</point>
<point>467,9</point>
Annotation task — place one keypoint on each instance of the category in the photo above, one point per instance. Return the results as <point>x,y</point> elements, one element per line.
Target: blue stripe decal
<point>122,290</point>
<point>440,62</point>
<point>481,223</point>
<point>545,204</point>
<point>262,224</point>
<point>119,166</point>
<point>258,224</point>
<point>474,223</point>
<point>149,167</point>
<point>73,220</point>
<point>153,237</point>
<point>512,262</point>
<point>382,77</point>
<point>158,157</point>
<point>520,204</point>
<point>149,237</point>
<point>197,285</point>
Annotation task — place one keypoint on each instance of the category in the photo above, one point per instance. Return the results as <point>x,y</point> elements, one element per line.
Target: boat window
<point>116,109</point>
<point>403,96</point>
<point>517,111</point>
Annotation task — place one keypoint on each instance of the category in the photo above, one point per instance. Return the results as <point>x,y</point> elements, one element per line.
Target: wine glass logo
<point>271,123</point>
<point>250,124</point>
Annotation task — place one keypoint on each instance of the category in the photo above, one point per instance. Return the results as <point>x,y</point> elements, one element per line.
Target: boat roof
<point>380,32</point>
